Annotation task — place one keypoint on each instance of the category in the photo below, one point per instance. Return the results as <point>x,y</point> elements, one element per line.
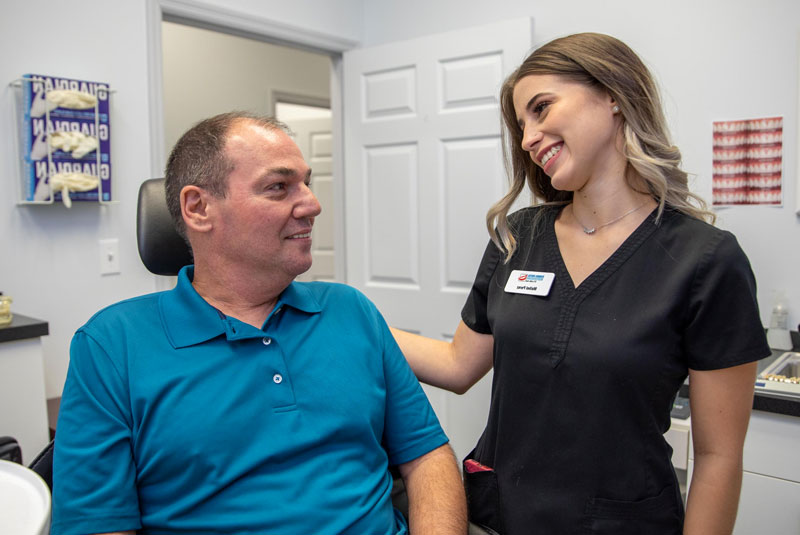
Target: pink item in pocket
<point>472,466</point>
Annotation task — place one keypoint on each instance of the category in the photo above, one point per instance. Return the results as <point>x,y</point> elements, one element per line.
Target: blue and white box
<point>65,139</point>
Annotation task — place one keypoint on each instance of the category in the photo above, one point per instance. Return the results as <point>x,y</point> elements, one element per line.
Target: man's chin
<point>301,268</point>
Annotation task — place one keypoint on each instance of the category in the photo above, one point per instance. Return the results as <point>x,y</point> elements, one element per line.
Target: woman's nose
<point>530,137</point>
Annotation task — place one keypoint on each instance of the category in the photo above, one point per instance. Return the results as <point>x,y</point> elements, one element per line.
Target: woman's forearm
<point>454,366</point>
<point>713,495</point>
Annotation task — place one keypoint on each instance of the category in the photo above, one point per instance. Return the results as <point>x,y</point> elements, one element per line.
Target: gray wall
<point>207,72</point>
<point>715,60</point>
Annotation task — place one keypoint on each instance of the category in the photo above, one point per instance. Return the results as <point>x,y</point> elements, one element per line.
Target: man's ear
<point>194,208</point>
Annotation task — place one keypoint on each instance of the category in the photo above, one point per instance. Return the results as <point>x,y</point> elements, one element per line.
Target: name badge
<point>529,282</point>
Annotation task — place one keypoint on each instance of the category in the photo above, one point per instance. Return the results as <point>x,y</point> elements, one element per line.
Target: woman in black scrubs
<point>593,306</point>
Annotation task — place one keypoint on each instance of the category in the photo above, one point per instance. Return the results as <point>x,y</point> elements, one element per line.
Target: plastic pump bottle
<point>778,335</point>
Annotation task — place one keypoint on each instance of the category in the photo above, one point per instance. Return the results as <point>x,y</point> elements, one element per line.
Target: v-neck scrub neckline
<point>576,294</point>
<point>584,377</point>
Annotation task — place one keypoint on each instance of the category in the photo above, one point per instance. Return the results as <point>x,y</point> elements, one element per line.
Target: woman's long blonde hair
<point>606,64</point>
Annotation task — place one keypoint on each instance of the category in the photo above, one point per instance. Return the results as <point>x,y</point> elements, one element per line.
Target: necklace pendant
<point>588,230</point>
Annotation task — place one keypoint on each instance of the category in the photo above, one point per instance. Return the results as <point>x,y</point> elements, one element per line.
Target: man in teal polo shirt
<point>242,401</point>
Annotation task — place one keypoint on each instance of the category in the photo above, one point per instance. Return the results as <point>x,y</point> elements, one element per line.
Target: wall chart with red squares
<point>747,162</point>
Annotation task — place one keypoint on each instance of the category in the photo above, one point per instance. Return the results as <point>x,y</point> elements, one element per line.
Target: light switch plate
<point>109,256</point>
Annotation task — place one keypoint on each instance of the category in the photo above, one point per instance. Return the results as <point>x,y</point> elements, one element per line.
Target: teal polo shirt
<point>178,419</point>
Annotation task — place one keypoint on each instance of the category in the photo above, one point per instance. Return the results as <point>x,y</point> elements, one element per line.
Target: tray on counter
<point>782,376</point>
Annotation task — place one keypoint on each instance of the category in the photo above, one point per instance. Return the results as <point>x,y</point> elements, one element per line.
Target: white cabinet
<point>770,499</point>
<point>768,505</point>
<point>772,447</point>
<point>23,408</point>
<point>678,437</point>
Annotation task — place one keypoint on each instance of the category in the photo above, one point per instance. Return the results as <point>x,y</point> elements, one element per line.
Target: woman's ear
<point>613,103</point>
<point>194,208</point>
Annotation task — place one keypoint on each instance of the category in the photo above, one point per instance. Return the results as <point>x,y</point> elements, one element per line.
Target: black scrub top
<point>584,378</point>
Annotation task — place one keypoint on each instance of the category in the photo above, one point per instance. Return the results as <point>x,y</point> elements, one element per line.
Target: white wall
<point>715,60</point>
<point>50,255</point>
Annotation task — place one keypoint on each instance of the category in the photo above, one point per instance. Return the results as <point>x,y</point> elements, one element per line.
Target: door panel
<point>423,163</point>
<point>314,138</point>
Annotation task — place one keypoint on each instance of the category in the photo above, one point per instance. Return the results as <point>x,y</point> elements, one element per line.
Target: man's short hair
<point>199,159</point>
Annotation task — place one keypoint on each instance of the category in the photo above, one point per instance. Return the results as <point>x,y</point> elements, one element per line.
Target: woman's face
<point>569,129</point>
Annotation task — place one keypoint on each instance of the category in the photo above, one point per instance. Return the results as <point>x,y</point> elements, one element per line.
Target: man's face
<point>264,221</point>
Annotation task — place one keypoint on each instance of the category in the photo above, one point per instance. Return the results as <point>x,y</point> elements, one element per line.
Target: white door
<point>423,163</point>
<point>314,138</point>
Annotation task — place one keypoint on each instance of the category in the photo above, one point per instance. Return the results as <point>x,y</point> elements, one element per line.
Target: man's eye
<point>278,186</point>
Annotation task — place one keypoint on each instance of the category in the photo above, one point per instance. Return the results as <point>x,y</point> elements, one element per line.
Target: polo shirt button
<point>266,341</point>
<point>277,378</point>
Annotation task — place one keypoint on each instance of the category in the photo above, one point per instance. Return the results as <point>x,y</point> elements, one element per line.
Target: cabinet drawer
<point>771,448</point>
<point>768,505</point>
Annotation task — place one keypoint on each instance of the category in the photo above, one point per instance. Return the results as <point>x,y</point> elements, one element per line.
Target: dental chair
<point>42,464</point>
<point>161,248</point>
<point>24,496</point>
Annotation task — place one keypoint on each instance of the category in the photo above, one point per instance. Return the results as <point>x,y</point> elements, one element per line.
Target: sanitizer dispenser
<point>778,335</point>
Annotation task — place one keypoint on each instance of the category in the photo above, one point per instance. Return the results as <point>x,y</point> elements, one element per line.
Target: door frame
<point>193,13</point>
<point>296,98</point>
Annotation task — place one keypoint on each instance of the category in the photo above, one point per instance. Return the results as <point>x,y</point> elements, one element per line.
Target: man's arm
<point>93,441</point>
<point>436,501</point>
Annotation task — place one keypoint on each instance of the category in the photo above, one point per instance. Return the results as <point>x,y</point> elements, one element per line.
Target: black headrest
<point>161,248</point>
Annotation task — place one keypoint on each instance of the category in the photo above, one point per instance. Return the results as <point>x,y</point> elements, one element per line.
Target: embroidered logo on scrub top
<point>529,282</point>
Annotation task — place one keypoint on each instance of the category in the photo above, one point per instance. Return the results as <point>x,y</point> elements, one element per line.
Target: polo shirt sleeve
<point>474,314</point>
<point>94,477</point>
<point>411,428</point>
<point>724,325</point>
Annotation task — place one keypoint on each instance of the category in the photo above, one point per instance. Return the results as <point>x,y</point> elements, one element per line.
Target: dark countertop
<point>22,327</point>
<point>764,400</point>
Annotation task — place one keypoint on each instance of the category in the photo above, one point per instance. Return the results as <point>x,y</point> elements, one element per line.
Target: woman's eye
<point>540,107</point>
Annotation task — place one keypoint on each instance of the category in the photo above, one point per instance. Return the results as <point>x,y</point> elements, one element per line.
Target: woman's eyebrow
<point>533,99</point>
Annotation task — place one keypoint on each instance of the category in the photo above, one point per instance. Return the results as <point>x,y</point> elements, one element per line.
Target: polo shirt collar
<point>189,319</point>
<point>299,296</point>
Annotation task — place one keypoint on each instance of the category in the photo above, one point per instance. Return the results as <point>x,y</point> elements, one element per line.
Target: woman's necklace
<point>592,230</point>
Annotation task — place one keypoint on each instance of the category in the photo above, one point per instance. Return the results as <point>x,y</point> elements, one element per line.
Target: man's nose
<point>309,205</point>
